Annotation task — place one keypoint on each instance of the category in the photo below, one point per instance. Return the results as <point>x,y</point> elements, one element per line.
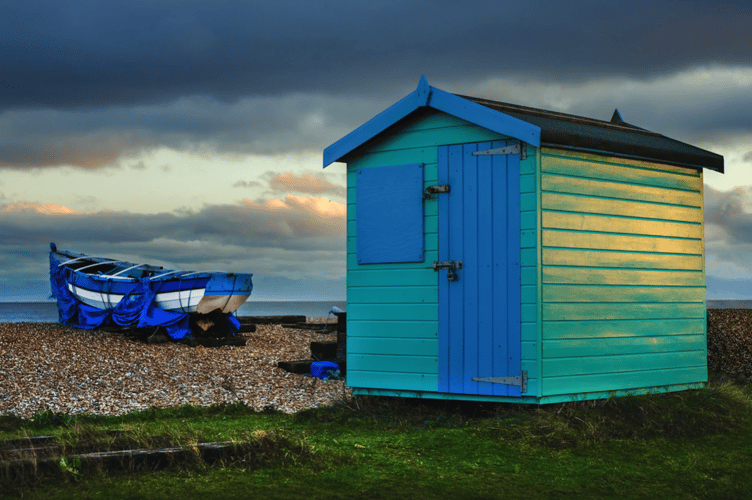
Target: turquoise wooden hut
<point>498,252</point>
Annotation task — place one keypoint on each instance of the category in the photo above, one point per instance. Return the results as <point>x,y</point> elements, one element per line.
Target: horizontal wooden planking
<point>594,394</point>
<point>622,380</point>
<point>381,362</point>
<point>528,238</point>
<point>527,398</point>
<point>529,351</point>
<point>527,183</point>
<point>430,119</point>
<point>611,224</point>
<point>610,206</point>
<point>528,330</point>
<point>618,364</point>
<point>529,312</point>
<point>435,137</point>
<point>623,345</point>
<point>528,220</point>
<point>606,258</point>
<point>591,311</point>
<point>528,201</point>
<point>529,256</point>
<point>527,166</point>
<point>393,380</point>
<point>393,295</point>
<point>396,312</point>
<point>426,155</point>
<point>393,346</point>
<point>592,276</point>
<point>617,293</point>
<point>599,158</point>
<point>529,294</point>
<point>619,190</point>
<point>391,329</point>
<point>604,241</point>
<point>646,175</point>
<point>427,260</point>
<point>391,277</point>
<point>529,275</point>
<point>552,330</point>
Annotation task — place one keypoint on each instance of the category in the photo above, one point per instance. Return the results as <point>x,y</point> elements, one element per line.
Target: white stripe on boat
<point>183,300</point>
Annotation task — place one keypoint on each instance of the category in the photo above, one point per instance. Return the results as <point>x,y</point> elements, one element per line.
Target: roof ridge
<point>559,115</point>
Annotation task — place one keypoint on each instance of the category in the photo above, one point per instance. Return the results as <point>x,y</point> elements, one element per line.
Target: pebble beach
<point>47,366</point>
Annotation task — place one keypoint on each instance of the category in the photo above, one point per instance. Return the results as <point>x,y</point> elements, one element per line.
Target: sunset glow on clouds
<point>39,208</point>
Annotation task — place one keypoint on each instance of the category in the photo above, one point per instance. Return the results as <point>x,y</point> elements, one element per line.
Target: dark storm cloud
<point>731,212</point>
<point>94,138</point>
<point>81,53</point>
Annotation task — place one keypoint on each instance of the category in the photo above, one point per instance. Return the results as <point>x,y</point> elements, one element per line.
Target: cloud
<point>306,183</point>
<point>22,207</point>
<point>86,54</point>
<point>97,138</point>
<point>291,223</point>
<point>728,235</point>
<point>701,102</point>
<point>247,184</point>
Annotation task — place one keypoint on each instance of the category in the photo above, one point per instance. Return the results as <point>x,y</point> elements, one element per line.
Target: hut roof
<point>616,137</point>
<point>537,127</point>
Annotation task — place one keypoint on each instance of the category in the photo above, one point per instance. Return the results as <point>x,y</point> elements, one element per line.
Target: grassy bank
<point>695,444</point>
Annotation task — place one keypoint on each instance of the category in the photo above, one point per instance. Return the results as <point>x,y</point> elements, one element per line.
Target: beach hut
<point>498,252</point>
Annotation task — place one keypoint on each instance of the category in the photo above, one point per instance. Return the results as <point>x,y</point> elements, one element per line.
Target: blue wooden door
<point>479,313</point>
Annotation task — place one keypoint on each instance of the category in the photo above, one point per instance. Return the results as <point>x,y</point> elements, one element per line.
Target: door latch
<point>430,190</point>
<point>450,266</point>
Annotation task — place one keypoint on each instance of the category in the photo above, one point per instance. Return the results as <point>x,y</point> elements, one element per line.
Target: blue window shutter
<point>389,214</point>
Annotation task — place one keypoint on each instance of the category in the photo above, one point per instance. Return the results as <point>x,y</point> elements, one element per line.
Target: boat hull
<point>175,291</point>
<point>188,301</point>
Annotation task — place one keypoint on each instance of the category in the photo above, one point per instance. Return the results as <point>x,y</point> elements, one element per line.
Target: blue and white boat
<point>98,290</point>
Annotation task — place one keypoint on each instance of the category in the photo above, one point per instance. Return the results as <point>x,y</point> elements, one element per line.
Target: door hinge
<point>520,381</point>
<point>514,149</point>
<point>450,266</point>
<point>441,188</point>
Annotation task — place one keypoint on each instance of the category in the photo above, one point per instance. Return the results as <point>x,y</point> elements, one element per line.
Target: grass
<point>692,444</point>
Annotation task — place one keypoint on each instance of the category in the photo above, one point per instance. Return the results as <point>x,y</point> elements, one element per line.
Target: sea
<point>46,312</point>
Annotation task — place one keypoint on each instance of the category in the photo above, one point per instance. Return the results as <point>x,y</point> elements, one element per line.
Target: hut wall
<point>392,309</point>
<point>622,275</point>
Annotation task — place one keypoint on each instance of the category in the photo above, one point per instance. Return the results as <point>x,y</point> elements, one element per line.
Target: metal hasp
<point>520,381</point>
<point>442,188</point>
<point>450,265</point>
<point>514,149</point>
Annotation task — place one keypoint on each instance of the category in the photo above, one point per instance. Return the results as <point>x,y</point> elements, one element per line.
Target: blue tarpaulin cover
<point>135,309</point>
<point>324,369</point>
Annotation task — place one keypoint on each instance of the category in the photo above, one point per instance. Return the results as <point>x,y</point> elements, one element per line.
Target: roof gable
<point>431,97</point>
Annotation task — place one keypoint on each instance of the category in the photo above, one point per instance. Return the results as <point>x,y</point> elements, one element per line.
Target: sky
<point>190,134</point>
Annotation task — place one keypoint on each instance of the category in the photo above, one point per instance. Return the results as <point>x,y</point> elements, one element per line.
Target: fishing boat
<point>97,290</point>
